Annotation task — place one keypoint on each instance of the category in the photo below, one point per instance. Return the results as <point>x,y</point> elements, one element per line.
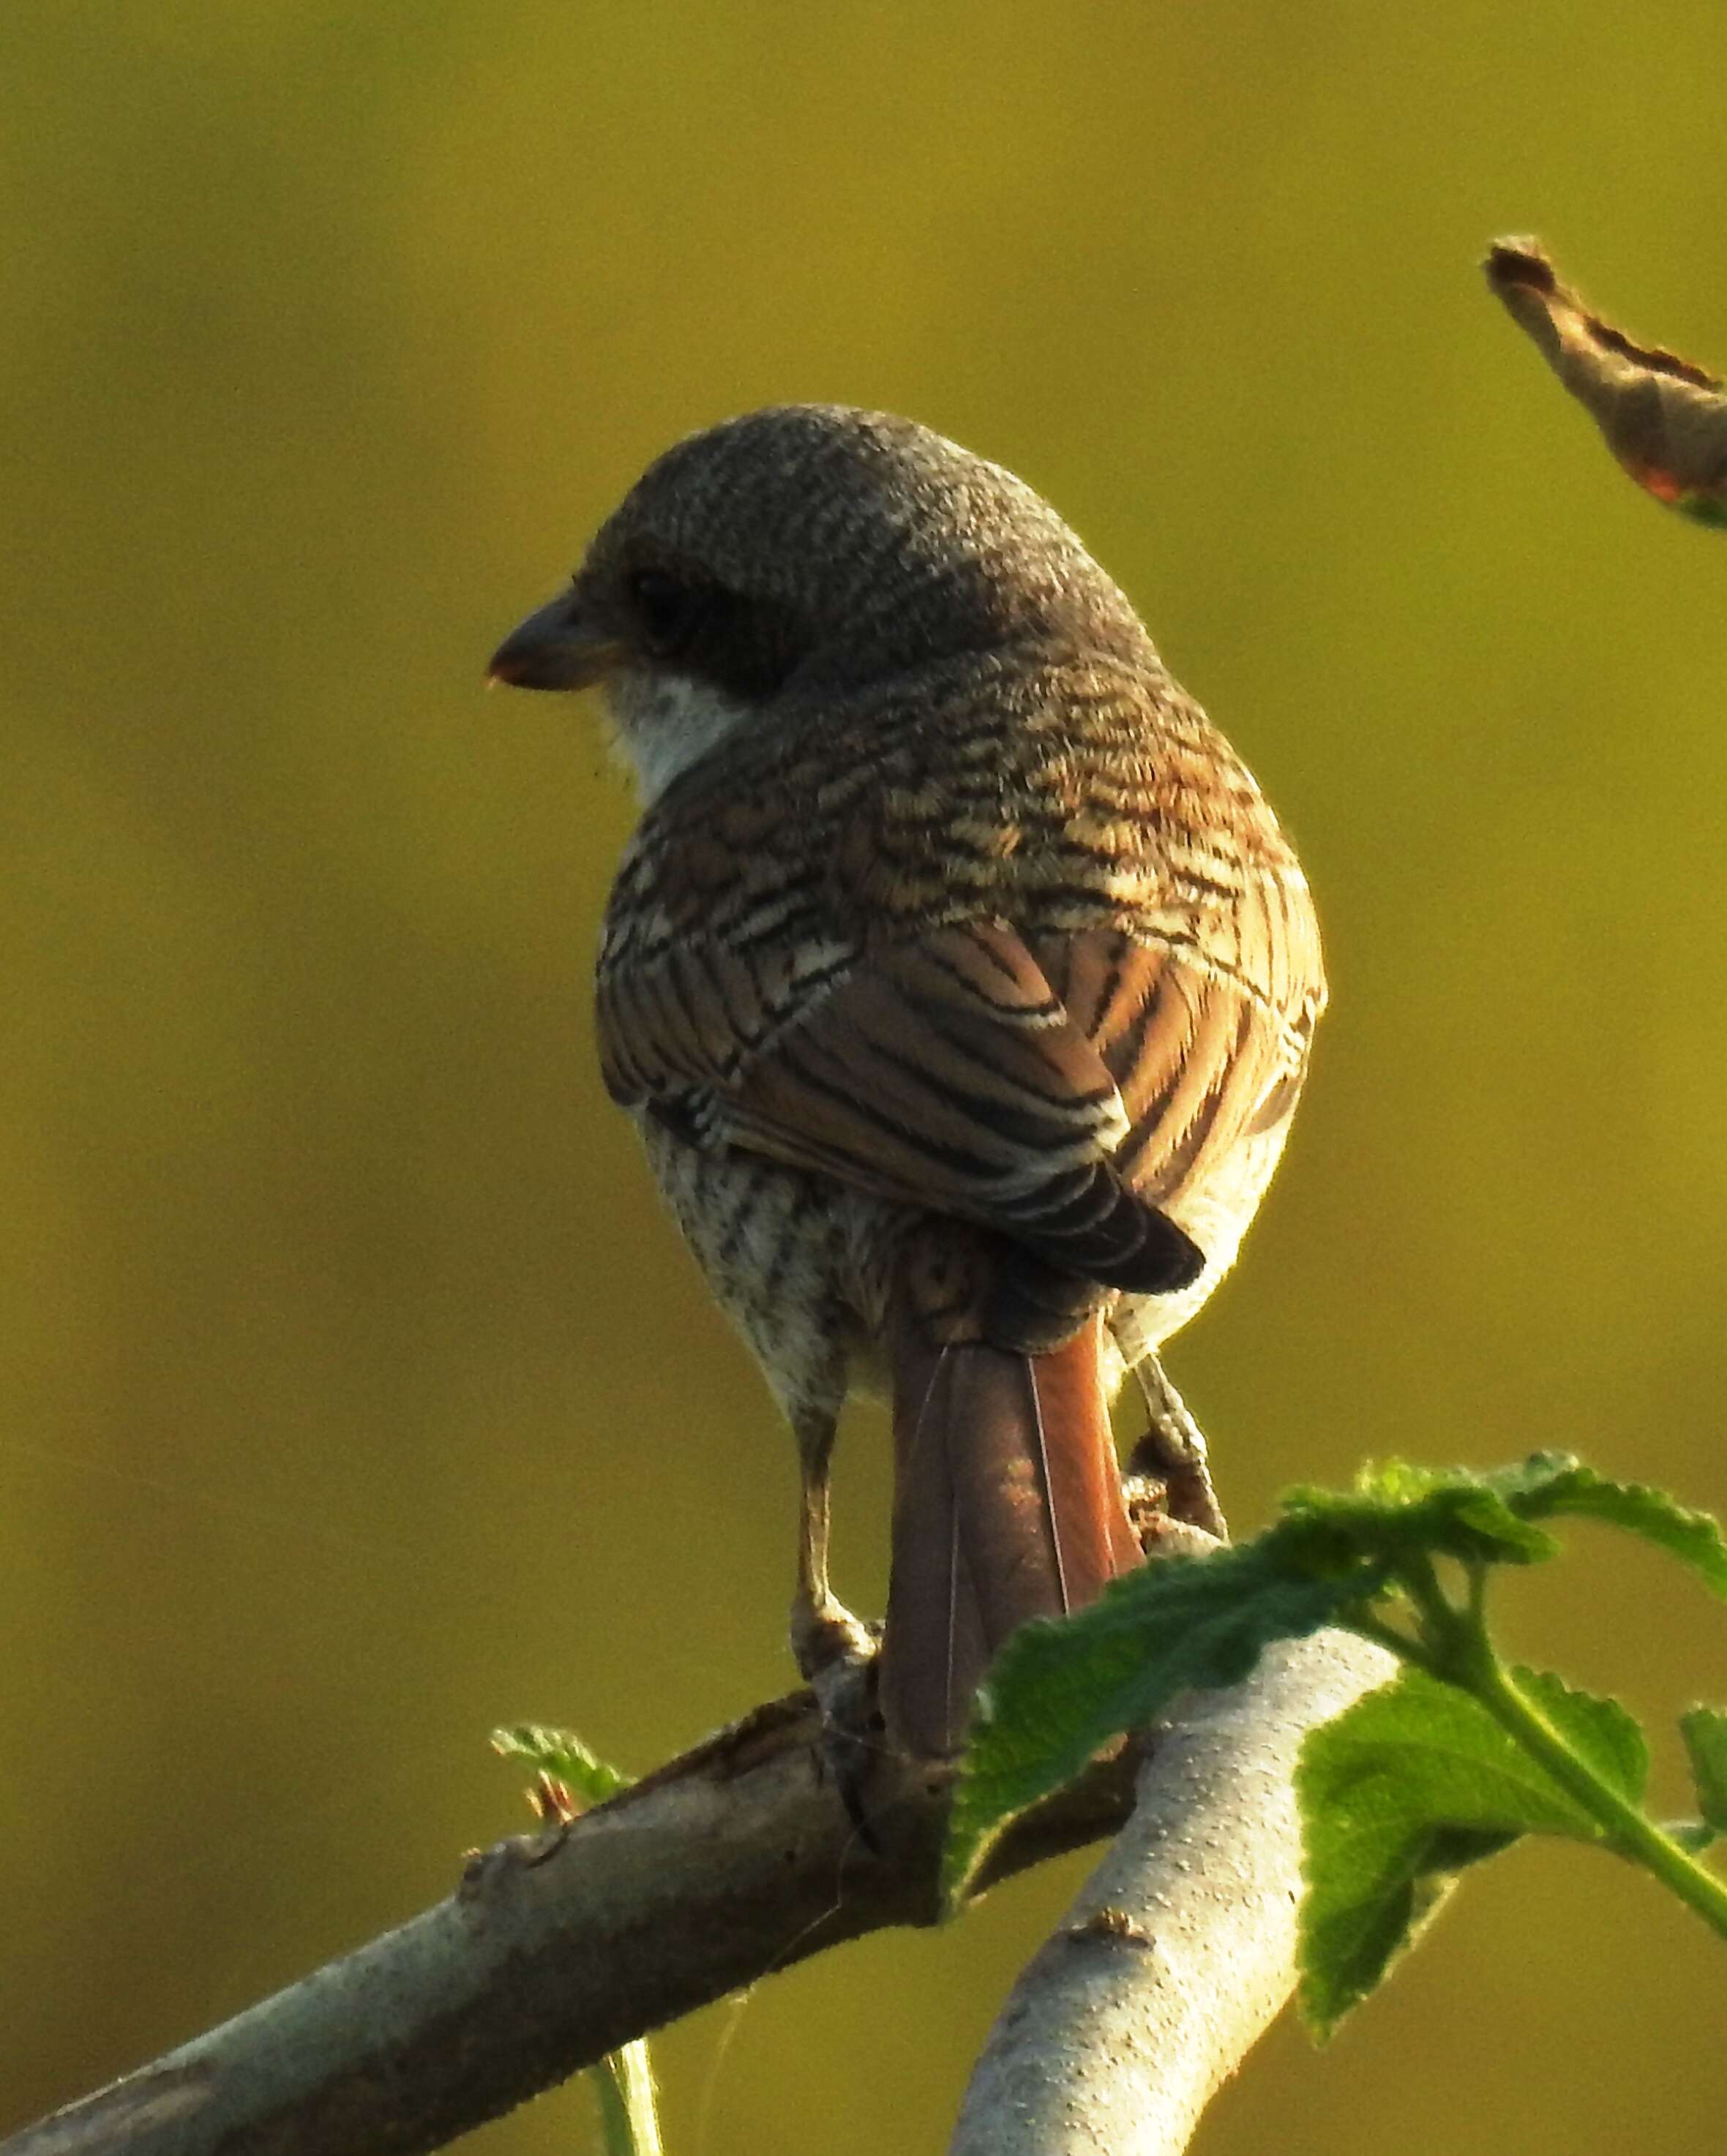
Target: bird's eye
<point>669,609</point>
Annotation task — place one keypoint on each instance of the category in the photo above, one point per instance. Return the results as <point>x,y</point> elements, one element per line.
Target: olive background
<point>357,1396</point>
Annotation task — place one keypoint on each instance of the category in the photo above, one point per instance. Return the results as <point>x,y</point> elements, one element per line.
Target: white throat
<point>665,722</point>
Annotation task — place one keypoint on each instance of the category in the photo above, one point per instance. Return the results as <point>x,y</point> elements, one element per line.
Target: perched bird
<point>958,977</point>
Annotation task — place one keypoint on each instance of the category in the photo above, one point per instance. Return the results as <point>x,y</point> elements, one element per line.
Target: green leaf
<point>1705,1730</point>
<point>1396,1510</point>
<point>1061,1689</point>
<point>1371,1905</point>
<point>562,1756</point>
<point>1570,1487</point>
<point>1600,1731</point>
<point>1406,1787</point>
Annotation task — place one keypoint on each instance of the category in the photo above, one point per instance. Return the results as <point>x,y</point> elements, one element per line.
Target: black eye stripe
<point>744,644</point>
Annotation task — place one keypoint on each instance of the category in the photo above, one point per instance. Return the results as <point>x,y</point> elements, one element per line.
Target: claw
<point>1173,1451</point>
<point>838,1653</point>
<point>851,1736</point>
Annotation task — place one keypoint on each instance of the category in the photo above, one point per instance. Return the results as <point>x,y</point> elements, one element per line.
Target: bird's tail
<point>1007,1504</point>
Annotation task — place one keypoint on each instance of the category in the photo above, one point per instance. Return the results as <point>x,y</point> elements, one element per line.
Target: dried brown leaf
<point>1664,420</point>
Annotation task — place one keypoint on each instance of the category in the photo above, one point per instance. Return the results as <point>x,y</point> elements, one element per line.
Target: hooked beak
<point>555,647</point>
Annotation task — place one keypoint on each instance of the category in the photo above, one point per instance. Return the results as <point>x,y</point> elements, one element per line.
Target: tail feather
<point>1007,1506</point>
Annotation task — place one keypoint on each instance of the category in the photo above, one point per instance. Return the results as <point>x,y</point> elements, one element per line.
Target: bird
<point>959,981</point>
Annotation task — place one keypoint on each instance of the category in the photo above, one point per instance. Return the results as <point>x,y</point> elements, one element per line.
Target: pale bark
<point>1180,1949</point>
<point>733,1863</point>
<point>736,1862</point>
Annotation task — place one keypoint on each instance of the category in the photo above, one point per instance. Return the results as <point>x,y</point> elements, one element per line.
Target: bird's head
<point>804,550</point>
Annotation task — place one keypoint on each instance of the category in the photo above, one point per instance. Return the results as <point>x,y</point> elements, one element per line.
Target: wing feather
<point>827,986</point>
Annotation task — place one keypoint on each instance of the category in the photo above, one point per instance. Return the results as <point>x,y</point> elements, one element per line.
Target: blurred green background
<point>357,1396</point>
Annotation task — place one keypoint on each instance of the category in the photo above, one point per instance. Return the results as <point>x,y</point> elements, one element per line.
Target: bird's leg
<point>835,1650</point>
<point>1173,1450</point>
<point>830,1643</point>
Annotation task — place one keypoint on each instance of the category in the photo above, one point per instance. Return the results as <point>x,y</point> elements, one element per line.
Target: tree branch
<point>1179,1950</point>
<point>733,1862</point>
<point>737,1860</point>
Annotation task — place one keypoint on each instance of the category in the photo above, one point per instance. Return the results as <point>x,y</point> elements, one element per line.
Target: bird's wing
<point>1204,1055</point>
<point>1051,1011</point>
<point>941,1070</point>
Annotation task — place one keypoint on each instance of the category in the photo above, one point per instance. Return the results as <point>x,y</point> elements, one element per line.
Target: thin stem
<point>1446,1627</point>
<point>1388,1637</point>
<point>1628,1831</point>
<point>628,2117</point>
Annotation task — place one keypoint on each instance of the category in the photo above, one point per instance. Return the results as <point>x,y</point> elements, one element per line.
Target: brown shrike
<point>958,977</point>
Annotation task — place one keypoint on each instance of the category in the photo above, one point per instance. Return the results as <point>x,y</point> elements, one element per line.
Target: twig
<point>1180,1949</point>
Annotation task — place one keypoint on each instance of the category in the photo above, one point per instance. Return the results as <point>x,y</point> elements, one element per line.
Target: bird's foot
<point>851,1738</point>
<point>837,1654</point>
<point>1172,1453</point>
<point>826,1636</point>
